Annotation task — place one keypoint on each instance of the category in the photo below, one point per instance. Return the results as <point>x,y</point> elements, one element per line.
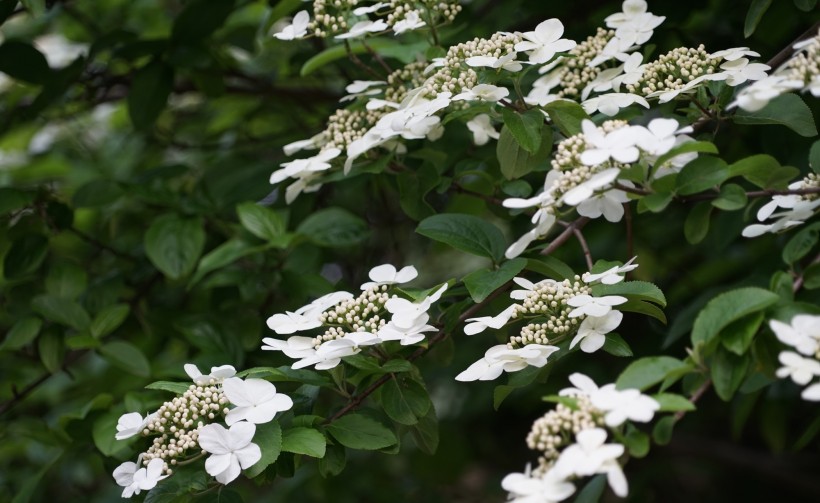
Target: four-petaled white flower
<point>659,136</point>
<point>483,92</point>
<point>630,10</point>
<point>411,21</point>
<point>802,333</point>
<point>618,145</point>
<point>610,104</point>
<point>307,166</point>
<point>621,405</point>
<point>609,203</point>
<point>386,274</point>
<point>612,275</point>
<point>288,323</point>
<point>369,9</point>
<point>500,359</point>
<point>740,70</point>
<point>256,400</point>
<point>592,332</point>
<point>295,347</point>
<point>590,455</point>
<point>135,479</point>
<point>801,370</point>
<point>477,325</point>
<point>506,62</point>
<point>131,424</point>
<point>297,28</point>
<point>231,449</point>
<point>330,353</point>
<point>542,44</point>
<point>549,488</point>
<point>217,374</point>
<point>583,386</point>
<point>585,190</point>
<point>482,129</point>
<point>362,88</point>
<point>407,335</point>
<point>811,393</point>
<point>362,28</point>
<point>734,53</point>
<point>405,313</point>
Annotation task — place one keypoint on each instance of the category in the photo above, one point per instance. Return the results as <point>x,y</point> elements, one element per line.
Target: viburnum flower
<point>612,275</point>
<point>411,21</point>
<point>801,370</point>
<point>369,9</point>
<point>386,274</point>
<point>659,136</point>
<point>217,373</point>
<point>734,53</point>
<point>586,305</point>
<point>802,333</point>
<point>610,104</point>
<point>407,335</point>
<point>740,70</point>
<point>614,49</point>
<point>592,332</point>
<point>506,62</point>
<point>501,358</point>
<point>330,353</point>
<point>362,28</point>
<point>135,479</point>
<point>811,393</point>
<point>231,449</point>
<point>590,455</point>
<point>362,88</point>
<point>621,405</point>
<point>288,323</point>
<point>311,143</point>
<point>632,71</point>
<point>482,129</point>
<point>317,163</point>
<point>802,211</point>
<point>638,29</point>
<point>405,313</point>
<point>544,42</point>
<point>295,347</point>
<point>541,228</point>
<point>477,325</point>
<point>297,28</point>
<point>549,488</point>
<point>630,10</point>
<point>618,145</point>
<point>131,424</point>
<point>256,400</point>
<point>585,190</point>
<point>583,385</point>
<point>483,92</point>
<point>609,203</point>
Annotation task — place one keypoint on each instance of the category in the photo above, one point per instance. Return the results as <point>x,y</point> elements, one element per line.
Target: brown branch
<point>102,246</point>
<point>581,240</point>
<point>562,238</point>
<point>798,281</point>
<point>695,397</point>
<point>18,396</point>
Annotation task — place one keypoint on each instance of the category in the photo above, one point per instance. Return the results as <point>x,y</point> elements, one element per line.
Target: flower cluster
<point>586,168</point>
<point>803,335</point>
<point>571,441</point>
<point>798,208</point>
<point>801,72</point>
<point>554,311</point>
<point>187,427</point>
<point>350,323</point>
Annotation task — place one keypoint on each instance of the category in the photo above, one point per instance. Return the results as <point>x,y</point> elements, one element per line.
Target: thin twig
<point>490,199</point>
<point>564,236</point>
<point>358,62</point>
<point>378,58</point>
<point>798,281</point>
<point>695,397</point>
<point>752,194</point>
<point>101,245</point>
<point>587,254</point>
<point>18,396</point>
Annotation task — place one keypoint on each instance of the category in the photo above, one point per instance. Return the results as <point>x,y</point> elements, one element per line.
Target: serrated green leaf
<point>728,307</point>
<point>425,432</point>
<point>525,127</point>
<point>174,387</point>
<point>786,110</point>
<point>464,232</point>
<point>268,437</point>
<point>514,160</point>
<point>732,197</point>
<point>174,244</point>
<point>483,282</point>
<point>671,402</point>
<point>404,400</point>
<point>567,116</point>
<point>332,227</point>
<point>647,372</point>
<point>738,335</point>
<point>701,174</point>
<point>307,441</point>
<point>361,432</point>
<point>801,244</point>
<point>261,221</point>
<point>550,267</point>
<point>334,461</point>
<point>814,157</point>
<point>127,357</point>
<point>637,290</point>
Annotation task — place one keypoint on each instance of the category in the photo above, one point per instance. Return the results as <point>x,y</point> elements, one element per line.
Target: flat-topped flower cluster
<point>802,334</point>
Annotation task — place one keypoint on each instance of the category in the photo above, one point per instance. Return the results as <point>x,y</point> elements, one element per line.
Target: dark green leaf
<point>64,311</point>
<point>465,232</point>
<point>261,221</point>
<point>805,5</point>
<point>332,227</point>
<point>174,244</point>
<point>567,116</point>
<point>646,372</point>
<point>696,225</point>
<point>550,267</point>
<point>405,400</point>
<point>127,357</point>
<point>701,174</point>
<point>199,19</point>
<point>222,255</point>
<point>26,254</point>
<point>704,147</point>
<point>21,61</point>
<point>174,387</point>
<point>361,432</point>
<point>786,110</point>
<point>413,189</point>
<point>662,431</point>
<point>728,371</point>
<point>738,335</point>
<point>592,491</point>
<point>97,193</point>
<point>616,345</point>
<point>814,157</point>
<point>514,160</point>
<point>21,333</point>
<point>671,402</point>
<point>638,290</point>
<point>307,441</point>
<point>51,348</point>
<point>425,432</point>
<point>764,171</point>
<point>525,127</point>
<point>483,282</point>
<point>754,15</point>
<point>655,202</point>
<point>394,48</point>
<point>109,319</point>
<point>268,437</point>
<point>811,277</point>
<point>732,197</point>
<point>13,199</point>
<point>728,307</point>
<point>149,93</point>
<point>334,461</point>
<point>66,279</point>
<point>801,243</point>
<point>636,442</point>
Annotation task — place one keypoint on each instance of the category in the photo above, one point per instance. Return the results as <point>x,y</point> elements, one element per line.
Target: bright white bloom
<point>632,71</point>
<point>231,450</point>
<point>506,62</point>
<point>217,374</point>
<point>362,88</point>
<point>659,136</point>
<point>295,347</point>
<point>477,325</point>
<point>362,28</point>
<point>545,222</point>
<point>131,424</point>
<point>592,332</point>
<point>256,400</point>
<point>549,488</point>
<point>801,370</point>
<point>802,211</point>
<point>369,9</point>
<point>590,455</point>
<point>811,393</point>
<point>618,145</point>
<point>631,9</point>
<point>309,144</point>
<point>612,275</point>
<point>297,167</point>
<point>610,204</point>
<point>330,353</point>
<point>297,28</point>
<point>288,323</point>
<point>135,480</point>
<point>482,129</point>
<point>734,53</point>
<point>585,190</point>
<point>405,313</point>
<point>584,386</point>
<point>411,21</point>
<point>386,274</point>
<point>638,30</point>
<point>409,335</point>
<point>758,94</point>
<point>542,44</point>
<point>740,70</point>
<point>610,104</point>
<point>500,359</point>
<point>802,333</point>
<point>58,50</point>
<point>586,305</point>
<point>622,405</point>
<point>614,49</point>
<point>604,81</point>
<point>483,92</point>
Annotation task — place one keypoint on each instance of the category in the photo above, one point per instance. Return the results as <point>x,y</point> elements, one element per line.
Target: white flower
<point>591,333</point>
<point>310,144</point>
<point>801,370</point>
<point>405,313</point>
<point>584,386</point>
<point>58,50</point>
<point>609,203</point>
<point>408,335</point>
<point>288,323</point>
<point>411,21</point>
<point>483,92</point>
<point>638,29</point>
<point>740,70</point>
<point>256,400</point>
<point>811,393</point>
<point>612,275</point>
<point>802,333</point>
<point>801,211</point>
<point>362,28</point>
<point>297,28</point>
<point>614,49</point>
<point>545,223</point>
<point>295,347</point>
<point>542,44</point>
<point>586,305</point>
<point>131,424</point>
<point>590,455</point>
<point>500,359</point>
<point>330,353</point>
<point>549,488</point>
<point>621,405</point>
<point>319,162</point>
<point>477,325</point>
<point>482,129</point>
<point>506,62</point>
<point>231,450</point>
<point>618,145</point>
<point>659,136</point>
<point>135,480</point>
<point>632,71</point>
<point>369,9</point>
<point>386,274</point>
<point>631,9</point>
<point>610,104</point>
<point>217,374</point>
<point>734,53</point>
<point>362,88</point>
<point>604,81</point>
<point>585,190</point>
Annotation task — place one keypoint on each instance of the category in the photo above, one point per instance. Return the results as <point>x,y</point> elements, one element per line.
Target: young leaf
<point>646,372</point>
<point>786,110</point>
<point>525,127</point>
<point>332,227</point>
<point>361,432</point>
<point>728,307</point>
<point>483,282</point>
<point>753,16</point>
<point>174,243</point>
<point>307,441</point>
<point>466,233</point>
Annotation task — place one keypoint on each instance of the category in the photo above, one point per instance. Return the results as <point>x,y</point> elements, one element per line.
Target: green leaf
<point>786,110</point>
<point>261,221</point>
<point>696,225</point>
<point>109,319</point>
<point>425,432</point>
<point>148,94</point>
<point>525,127</point>
<point>97,193</point>
<point>66,279</point>
<point>671,402</point>
<point>222,255</point>
<point>646,372</point>
<point>127,357</point>
<point>637,290</point>
<point>401,50</point>
<point>465,232</point>
<point>26,254</point>
<point>801,243</point>
<point>732,197</point>
<point>814,158</point>
<point>361,432</point>
<point>199,19</point>
<point>268,437</point>
<point>334,461</point>
<point>332,227</point>
<point>307,441</point>
<point>637,442</point>
<point>701,174</point>
<point>738,335</point>
<point>728,307</point>
<point>728,371</point>
<point>754,16</point>
<point>514,160</point>
<point>616,345</point>
<point>64,311</point>
<point>643,307</point>
<point>21,333</point>
<point>483,282</point>
<point>811,277</point>
<point>50,347</point>
<point>21,61</point>
<point>764,171</point>
<point>662,431</point>
<point>174,387</point>
<point>567,116</point>
<point>551,267</point>
<point>414,185</point>
<point>404,400</point>
<point>174,244</point>
<point>34,481</point>
<point>592,491</point>
<point>705,147</point>
<point>13,199</point>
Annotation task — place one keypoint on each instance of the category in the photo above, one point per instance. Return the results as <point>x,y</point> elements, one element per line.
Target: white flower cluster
<point>586,167</point>
<point>352,323</point>
<point>799,208</point>
<point>556,311</point>
<point>803,335</point>
<point>398,16</point>
<point>572,441</point>
<point>186,427</point>
<point>801,72</point>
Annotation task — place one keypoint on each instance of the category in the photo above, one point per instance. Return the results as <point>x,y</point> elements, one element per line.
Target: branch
<point>18,396</point>
<point>564,236</point>
<point>798,281</point>
<point>582,241</point>
<point>695,397</point>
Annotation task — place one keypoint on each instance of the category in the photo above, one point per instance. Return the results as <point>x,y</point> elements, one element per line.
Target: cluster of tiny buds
<point>568,152</point>
<point>805,65</point>
<point>346,126</point>
<point>178,422</point>
<point>408,77</point>
<point>330,16</point>
<point>674,70</point>
<point>558,428</point>
<point>812,181</point>
<point>549,298</point>
<point>357,315</point>
<point>576,72</point>
<point>534,333</point>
